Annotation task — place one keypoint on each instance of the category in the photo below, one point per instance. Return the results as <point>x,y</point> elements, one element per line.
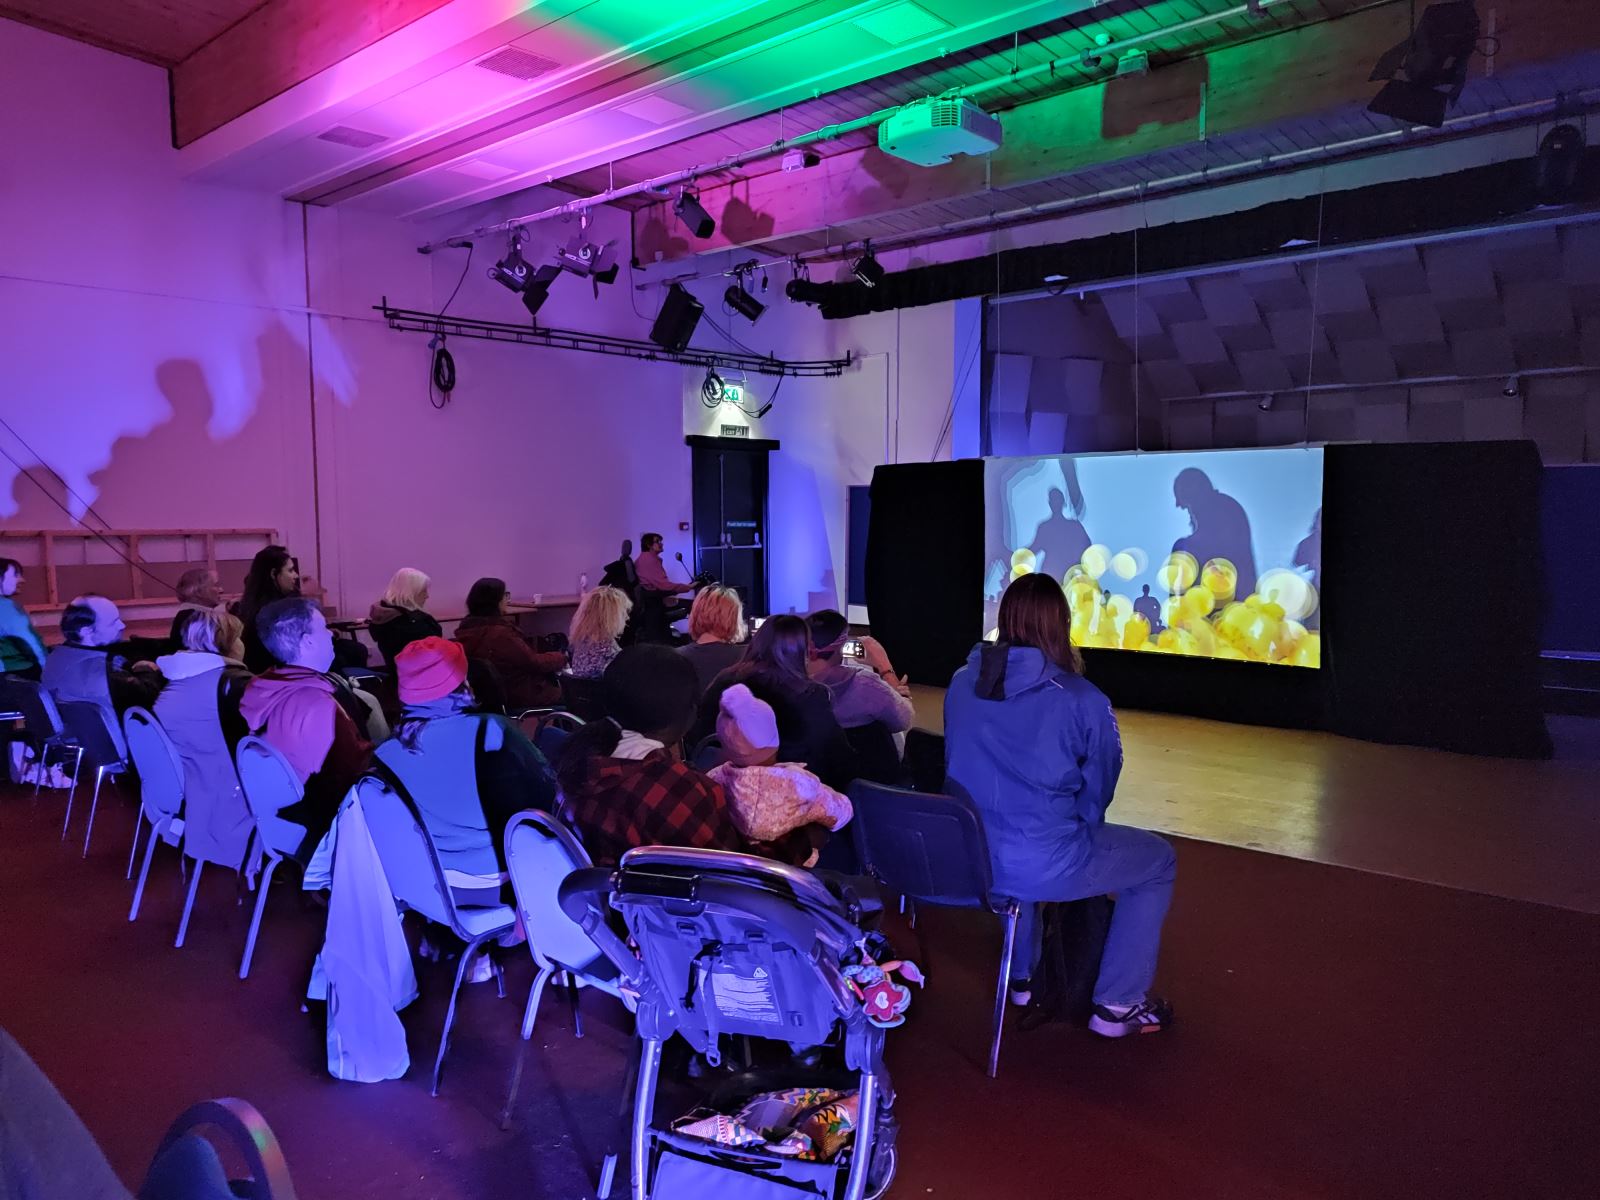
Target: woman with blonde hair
<point>199,709</point>
<point>400,617</point>
<point>596,631</point>
<point>717,634</point>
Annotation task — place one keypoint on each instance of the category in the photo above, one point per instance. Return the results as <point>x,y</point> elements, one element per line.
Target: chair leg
<point>144,873</point>
<point>262,887</point>
<point>133,850</point>
<point>99,778</point>
<point>72,790</point>
<point>572,1001</point>
<point>1010,918</point>
<point>450,1013</point>
<point>644,1104</point>
<point>528,1017</point>
<point>188,904</point>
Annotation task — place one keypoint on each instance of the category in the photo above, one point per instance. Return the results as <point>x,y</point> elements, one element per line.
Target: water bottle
<point>583,583</point>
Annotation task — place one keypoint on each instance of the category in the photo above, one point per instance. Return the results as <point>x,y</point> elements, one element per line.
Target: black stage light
<point>511,271</point>
<point>589,260</point>
<point>803,291</point>
<point>675,323</point>
<point>743,303</point>
<point>695,218</point>
<point>867,269</point>
<point>1559,163</point>
<point>1427,71</point>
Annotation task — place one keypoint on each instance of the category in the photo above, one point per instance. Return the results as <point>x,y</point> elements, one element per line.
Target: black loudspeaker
<point>675,323</point>
<point>1559,162</point>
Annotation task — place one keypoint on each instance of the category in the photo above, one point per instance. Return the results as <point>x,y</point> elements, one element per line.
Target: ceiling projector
<point>932,132</point>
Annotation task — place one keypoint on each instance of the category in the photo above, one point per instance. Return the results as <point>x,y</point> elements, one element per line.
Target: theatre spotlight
<point>1513,387</point>
<point>803,291</point>
<point>584,258</point>
<point>695,218</point>
<point>743,303</point>
<point>512,271</point>
<point>867,270</point>
<point>1558,164</point>
<point>1426,72</point>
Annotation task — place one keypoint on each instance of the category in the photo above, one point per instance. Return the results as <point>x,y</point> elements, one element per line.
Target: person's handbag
<point>1074,938</point>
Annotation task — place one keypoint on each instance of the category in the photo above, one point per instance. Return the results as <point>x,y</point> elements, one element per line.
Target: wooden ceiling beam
<point>1254,85</point>
<point>279,45</point>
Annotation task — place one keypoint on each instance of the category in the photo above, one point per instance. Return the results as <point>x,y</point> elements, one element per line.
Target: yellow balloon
<point>1135,633</point>
<point>1124,565</point>
<point>1221,577</point>
<point>1198,602</point>
<point>1289,591</point>
<point>1096,560</point>
<point>1180,571</point>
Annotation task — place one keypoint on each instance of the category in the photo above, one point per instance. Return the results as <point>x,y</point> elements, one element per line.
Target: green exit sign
<point>733,393</point>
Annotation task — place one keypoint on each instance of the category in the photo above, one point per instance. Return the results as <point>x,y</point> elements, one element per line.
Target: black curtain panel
<point>925,565</point>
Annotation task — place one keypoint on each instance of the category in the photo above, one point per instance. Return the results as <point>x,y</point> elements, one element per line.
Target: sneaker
<point>1022,992</point>
<point>1150,1015</point>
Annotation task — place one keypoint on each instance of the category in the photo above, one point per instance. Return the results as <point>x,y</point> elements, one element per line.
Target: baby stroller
<point>733,944</point>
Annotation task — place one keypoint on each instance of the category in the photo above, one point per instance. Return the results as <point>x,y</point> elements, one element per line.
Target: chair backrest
<point>586,697</point>
<point>40,716</point>
<point>709,753</point>
<point>877,755</point>
<point>930,847</point>
<point>94,727</point>
<point>160,768</point>
<point>740,945</point>
<point>269,784</point>
<point>409,859</point>
<point>925,760</point>
<point>540,854</point>
<point>550,740</point>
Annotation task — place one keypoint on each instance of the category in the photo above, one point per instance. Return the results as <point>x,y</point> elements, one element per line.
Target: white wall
<point>158,334</point>
<point>905,398</point>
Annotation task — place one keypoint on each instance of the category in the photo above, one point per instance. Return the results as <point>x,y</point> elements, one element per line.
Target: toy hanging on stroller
<point>733,944</point>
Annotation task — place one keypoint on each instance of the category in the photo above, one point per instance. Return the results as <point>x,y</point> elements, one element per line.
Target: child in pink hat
<point>768,799</point>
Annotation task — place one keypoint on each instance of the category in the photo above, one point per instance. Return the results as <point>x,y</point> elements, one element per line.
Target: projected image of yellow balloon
<point>1022,562</point>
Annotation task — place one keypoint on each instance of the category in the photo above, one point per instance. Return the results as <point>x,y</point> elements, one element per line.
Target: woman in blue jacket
<point>1035,746</point>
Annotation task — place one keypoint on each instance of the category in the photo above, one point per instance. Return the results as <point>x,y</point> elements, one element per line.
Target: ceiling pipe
<point>830,132</point>
<point>1381,385</point>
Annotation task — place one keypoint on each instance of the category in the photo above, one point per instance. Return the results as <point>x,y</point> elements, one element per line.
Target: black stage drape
<point>1431,601</point>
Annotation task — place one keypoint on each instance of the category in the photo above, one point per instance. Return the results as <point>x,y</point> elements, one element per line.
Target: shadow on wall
<point>174,454</point>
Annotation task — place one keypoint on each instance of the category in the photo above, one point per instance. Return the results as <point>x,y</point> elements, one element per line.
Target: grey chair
<point>269,784</point>
<point>160,801</point>
<point>411,864</point>
<point>931,849</point>
<point>93,729</point>
<point>540,853</point>
<point>42,727</point>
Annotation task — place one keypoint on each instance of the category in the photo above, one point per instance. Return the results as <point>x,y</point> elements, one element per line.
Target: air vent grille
<point>343,135</point>
<point>518,64</point>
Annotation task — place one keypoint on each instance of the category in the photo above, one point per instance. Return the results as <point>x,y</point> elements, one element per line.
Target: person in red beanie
<point>440,746</point>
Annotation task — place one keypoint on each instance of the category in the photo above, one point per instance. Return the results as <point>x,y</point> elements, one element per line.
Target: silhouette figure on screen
<point>1148,607</point>
<point>1308,557</point>
<point>1060,539</point>
<point>1219,527</point>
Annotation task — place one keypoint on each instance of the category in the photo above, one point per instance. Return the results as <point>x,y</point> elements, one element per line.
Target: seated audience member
<point>85,667</point>
<point>489,634</point>
<point>274,574</point>
<point>468,773</point>
<point>625,780</point>
<point>199,709</point>
<point>769,800</point>
<point>621,574</point>
<point>774,668</point>
<point>401,617</point>
<point>860,694</point>
<point>309,716</point>
<point>717,633</point>
<point>198,589</point>
<point>596,627</point>
<point>1035,746</point>
<point>21,649</point>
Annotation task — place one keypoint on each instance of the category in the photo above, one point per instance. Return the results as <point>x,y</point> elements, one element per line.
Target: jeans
<point>1140,868</point>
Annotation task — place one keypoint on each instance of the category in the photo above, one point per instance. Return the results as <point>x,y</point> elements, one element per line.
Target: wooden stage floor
<point>1502,827</point>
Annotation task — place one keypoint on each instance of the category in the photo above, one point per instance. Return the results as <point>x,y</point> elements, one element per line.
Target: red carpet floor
<point>1342,1035</point>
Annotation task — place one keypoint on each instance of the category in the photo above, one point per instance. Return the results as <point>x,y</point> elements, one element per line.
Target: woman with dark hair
<point>774,668</point>
<point>489,635</point>
<point>1035,746</point>
<point>624,778</point>
<point>274,574</point>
